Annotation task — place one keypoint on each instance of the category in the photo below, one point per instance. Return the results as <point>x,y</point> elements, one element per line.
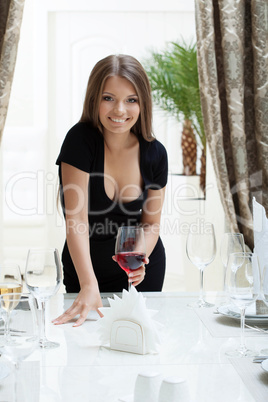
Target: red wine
<point>129,261</point>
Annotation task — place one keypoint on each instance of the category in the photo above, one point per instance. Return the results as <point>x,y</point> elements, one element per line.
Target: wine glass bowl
<point>130,248</point>
<point>231,243</point>
<point>23,326</point>
<point>264,296</point>
<point>10,283</point>
<point>201,251</point>
<point>264,284</point>
<point>43,277</point>
<point>243,288</point>
<point>23,333</point>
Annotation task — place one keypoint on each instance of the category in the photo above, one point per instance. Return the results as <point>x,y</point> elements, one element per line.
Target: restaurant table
<point>193,346</point>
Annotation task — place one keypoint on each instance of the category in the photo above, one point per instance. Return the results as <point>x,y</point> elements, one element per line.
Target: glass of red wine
<point>130,248</point>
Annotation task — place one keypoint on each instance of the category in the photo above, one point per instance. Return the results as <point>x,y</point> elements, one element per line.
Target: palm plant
<point>173,75</point>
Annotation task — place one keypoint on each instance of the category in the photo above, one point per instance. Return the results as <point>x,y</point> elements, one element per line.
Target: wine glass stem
<point>201,291</point>
<point>16,379</point>
<point>242,342</point>
<point>7,323</point>
<point>42,337</point>
<point>129,285</point>
<point>224,278</point>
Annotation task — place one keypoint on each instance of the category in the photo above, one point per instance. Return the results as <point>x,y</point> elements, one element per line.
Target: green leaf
<point>173,75</point>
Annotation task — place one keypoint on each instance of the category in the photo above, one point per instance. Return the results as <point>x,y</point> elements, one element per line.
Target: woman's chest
<point>122,177</point>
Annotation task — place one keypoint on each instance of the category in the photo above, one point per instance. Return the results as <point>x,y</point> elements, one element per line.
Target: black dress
<point>83,148</point>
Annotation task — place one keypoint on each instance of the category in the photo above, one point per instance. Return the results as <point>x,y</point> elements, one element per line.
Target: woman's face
<point>119,107</point>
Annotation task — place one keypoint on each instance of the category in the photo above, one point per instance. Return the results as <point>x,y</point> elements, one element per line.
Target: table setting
<point>148,346</point>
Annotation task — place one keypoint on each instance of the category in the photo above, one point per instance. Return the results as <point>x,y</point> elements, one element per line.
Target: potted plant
<point>173,75</point>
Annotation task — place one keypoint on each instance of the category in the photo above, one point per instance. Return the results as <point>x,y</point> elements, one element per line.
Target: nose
<point>119,108</point>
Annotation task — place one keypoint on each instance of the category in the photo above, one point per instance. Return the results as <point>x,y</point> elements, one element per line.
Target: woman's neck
<point>119,142</point>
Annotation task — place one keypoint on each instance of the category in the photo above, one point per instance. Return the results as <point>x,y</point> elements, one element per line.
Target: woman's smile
<point>118,120</point>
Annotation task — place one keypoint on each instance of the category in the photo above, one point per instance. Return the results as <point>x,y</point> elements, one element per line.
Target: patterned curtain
<point>232,51</point>
<point>10,22</point>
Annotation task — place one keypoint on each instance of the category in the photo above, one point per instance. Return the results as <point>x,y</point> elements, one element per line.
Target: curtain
<point>10,22</point>
<point>232,52</point>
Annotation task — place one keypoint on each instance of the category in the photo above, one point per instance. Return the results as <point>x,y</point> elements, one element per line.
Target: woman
<point>112,172</point>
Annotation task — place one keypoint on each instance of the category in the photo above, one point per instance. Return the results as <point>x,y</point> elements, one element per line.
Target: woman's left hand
<point>136,277</point>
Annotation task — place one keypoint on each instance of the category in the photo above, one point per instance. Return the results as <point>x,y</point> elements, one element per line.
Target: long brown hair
<point>124,66</point>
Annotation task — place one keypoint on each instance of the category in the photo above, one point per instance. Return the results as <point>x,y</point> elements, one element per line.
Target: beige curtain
<point>10,22</point>
<point>232,49</point>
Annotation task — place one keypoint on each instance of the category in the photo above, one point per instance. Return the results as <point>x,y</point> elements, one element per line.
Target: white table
<point>82,370</point>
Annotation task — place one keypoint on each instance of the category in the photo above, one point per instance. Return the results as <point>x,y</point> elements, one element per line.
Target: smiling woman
<point>60,43</point>
<point>113,173</point>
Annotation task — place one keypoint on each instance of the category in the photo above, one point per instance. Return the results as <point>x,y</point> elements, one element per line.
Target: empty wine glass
<point>243,288</point>
<point>264,284</point>
<point>23,320</point>
<point>130,248</point>
<point>201,251</point>
<point>10,283</point>
<point>264,295</point>
<point>231,243</point>
<point>43,277</point>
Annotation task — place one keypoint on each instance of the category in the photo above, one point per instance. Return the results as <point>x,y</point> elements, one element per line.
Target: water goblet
<point>264,284</point>
<point>43,277</point>
<point>23,319</point>
<point>130,248</point>
<point>201,251</point>
<point>264,295</point>
<point>231,243</point>
<point>10,283</point>
<point>243,288</point>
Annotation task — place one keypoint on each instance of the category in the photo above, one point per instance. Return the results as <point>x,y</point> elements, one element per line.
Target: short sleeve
<point>160,167</point>
<point>154,165</point>
<point>79,147</point>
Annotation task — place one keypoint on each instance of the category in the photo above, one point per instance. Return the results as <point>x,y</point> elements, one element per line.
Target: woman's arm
<point>75,188</point>
<point>150,220</point>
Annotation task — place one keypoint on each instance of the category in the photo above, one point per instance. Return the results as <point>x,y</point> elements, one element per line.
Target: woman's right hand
<point>87,299</point>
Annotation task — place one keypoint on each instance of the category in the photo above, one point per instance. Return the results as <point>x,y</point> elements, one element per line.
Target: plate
<point>233,312</point>
<point>265,365</point>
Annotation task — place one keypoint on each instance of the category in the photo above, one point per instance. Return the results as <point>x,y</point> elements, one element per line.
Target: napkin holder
<point>127,336</point>
<point>128,325</point>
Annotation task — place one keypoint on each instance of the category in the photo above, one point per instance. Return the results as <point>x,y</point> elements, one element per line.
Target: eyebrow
<point>129,96</point>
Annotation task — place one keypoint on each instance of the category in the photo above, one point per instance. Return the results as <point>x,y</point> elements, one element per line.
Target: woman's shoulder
<point>154,163</point>
<point>154,149</point>
<point>84,130</point>
<point>80,146</point>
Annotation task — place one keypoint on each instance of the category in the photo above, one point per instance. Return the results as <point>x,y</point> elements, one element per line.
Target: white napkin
<point>131,308</point>
<point>260,227</point>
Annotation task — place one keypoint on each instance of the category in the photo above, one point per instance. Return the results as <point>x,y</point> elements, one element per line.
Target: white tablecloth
<point>82,370</point>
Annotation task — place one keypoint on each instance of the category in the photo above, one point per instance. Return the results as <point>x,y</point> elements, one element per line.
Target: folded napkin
<point>128,325</point>
<point>260,227</point>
